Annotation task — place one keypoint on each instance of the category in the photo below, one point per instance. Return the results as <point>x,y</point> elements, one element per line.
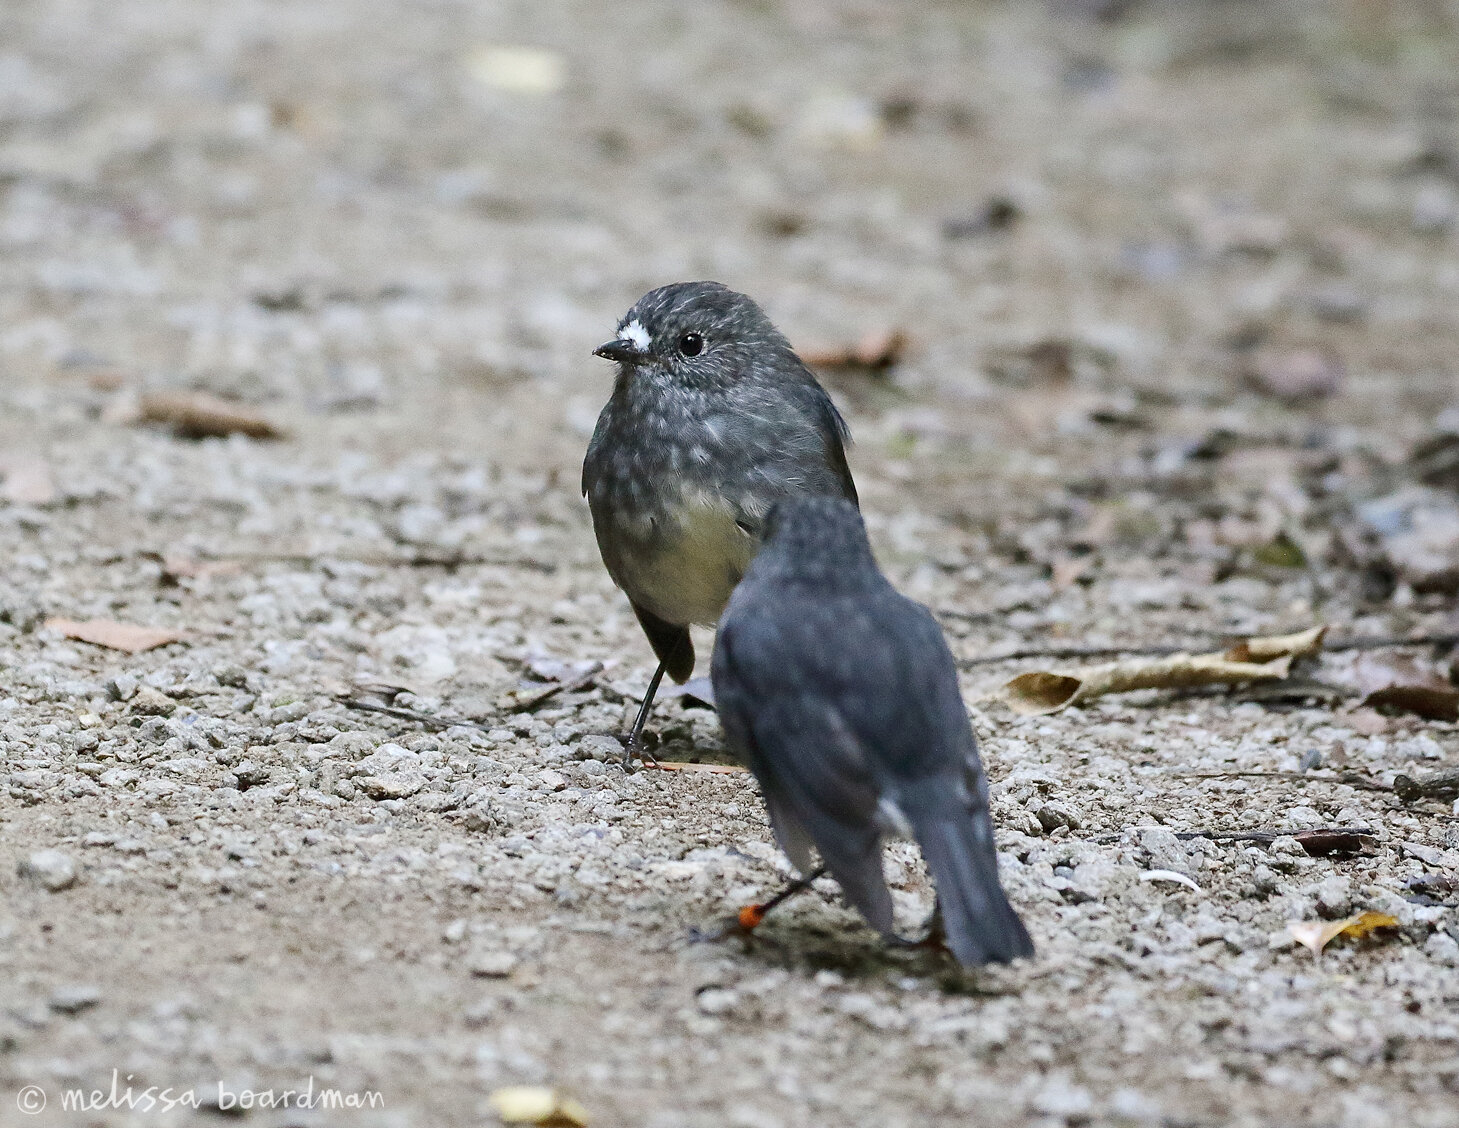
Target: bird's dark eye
<point>691,344</point>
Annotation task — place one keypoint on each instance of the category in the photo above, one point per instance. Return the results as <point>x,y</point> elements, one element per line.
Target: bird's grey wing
<point>809,766</point>
<point>899,688</point>
<point>734,702</point>
<point>838,435</point>
<point>834,434</point>
<point>936,780</point>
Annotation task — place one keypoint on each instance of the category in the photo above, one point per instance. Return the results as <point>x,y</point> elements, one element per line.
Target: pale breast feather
<point>694,564</point>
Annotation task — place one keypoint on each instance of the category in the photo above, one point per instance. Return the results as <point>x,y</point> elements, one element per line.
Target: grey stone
<point>50,869</point>
<point>74,998</point>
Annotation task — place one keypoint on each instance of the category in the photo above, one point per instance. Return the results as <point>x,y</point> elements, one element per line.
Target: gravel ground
<point>1178,285</point>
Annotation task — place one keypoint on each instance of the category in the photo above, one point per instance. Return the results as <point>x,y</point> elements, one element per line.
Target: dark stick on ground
<point>1067,653</point>
<point>1438,785</point>
<point>582,681</point>
<point>1349,779</point>
<point>429,720</point>
<point>1319,841</point>
<point>446,720</point>
<point>446,560</point>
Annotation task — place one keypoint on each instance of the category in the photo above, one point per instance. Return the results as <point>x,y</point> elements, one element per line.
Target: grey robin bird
<point>712,420</point>
<point>841,696</point>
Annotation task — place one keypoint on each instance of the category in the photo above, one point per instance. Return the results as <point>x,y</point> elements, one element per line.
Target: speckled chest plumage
<point>678,480</point>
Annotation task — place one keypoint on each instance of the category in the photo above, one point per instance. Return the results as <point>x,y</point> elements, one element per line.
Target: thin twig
<point>427,719</point>
<point>1318,837</point>
<point>446,721</point>
<point>582,681</point>
<point>1349,779</point>
<point>1273,835</point>
<point>1386,642</point>
<point>1067,653</point>
<point>376,559</point>
<point>1436,785</point>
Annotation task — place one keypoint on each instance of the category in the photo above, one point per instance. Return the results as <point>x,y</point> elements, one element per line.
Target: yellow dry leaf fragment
<point>537,1104</point>
<point>1048,691</point>
<point>1303,644</point>
<point>1315,935</point>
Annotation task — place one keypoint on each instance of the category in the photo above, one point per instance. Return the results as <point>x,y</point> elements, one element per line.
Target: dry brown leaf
<point>537,1104</point>
<point>129,637</point>
<point>1303,644</point>
<point>198,415</point>
<point>878,350</point>
<point>1397,681</point>
<point>1435,703</point>
<point>27,481</point>
<point>1044,691</point>
<point>1334,840</point>
<point>1315,935</point>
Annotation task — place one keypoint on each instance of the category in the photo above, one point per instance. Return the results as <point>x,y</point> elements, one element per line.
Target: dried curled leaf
<point>1324,841</point>
<point>1433,702</point>
<point>876,351</point>
<point>128,637</point>
<point>1437,785</point>
<point>1303,644</point>
<point>1043,691</point>
<point>1315,935</point>
<point>197,415</point>
<point>537,1104</point>
<point>1398,681</point>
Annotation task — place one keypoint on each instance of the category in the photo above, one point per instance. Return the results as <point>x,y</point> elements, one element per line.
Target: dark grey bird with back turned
<point>841,695</point>
<point>712,420</point>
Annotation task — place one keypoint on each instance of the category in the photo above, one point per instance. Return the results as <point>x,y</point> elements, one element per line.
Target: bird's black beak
<point>623,351</point>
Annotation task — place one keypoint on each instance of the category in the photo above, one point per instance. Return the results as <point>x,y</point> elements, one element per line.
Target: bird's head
<point>697,334</point>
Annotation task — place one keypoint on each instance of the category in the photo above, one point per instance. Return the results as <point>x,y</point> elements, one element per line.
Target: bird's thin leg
<point>634,745</point>
<point>749,918</point>
<point>752,916</point>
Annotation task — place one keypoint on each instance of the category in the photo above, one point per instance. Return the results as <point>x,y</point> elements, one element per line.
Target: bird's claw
<point>935,939</point>
<point>742,924</point>
<point>633,749</point>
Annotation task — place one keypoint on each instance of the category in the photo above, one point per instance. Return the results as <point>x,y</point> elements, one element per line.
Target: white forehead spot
<point>635,332</point>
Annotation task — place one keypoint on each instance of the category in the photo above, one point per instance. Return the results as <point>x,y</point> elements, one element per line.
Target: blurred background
<point>433,209</point>
<point>1033,246</point>
<point>1143,316</point>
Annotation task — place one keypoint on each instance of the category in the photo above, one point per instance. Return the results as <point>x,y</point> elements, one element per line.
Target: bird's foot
<point>749,918</point>
<point>935,939</point>
<point>742,924</point>
<point>929,943</point>
<point>635,749</point>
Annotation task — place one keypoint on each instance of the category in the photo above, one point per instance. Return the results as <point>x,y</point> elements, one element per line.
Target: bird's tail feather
<point>981,925</point>
<point>854,860</point>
